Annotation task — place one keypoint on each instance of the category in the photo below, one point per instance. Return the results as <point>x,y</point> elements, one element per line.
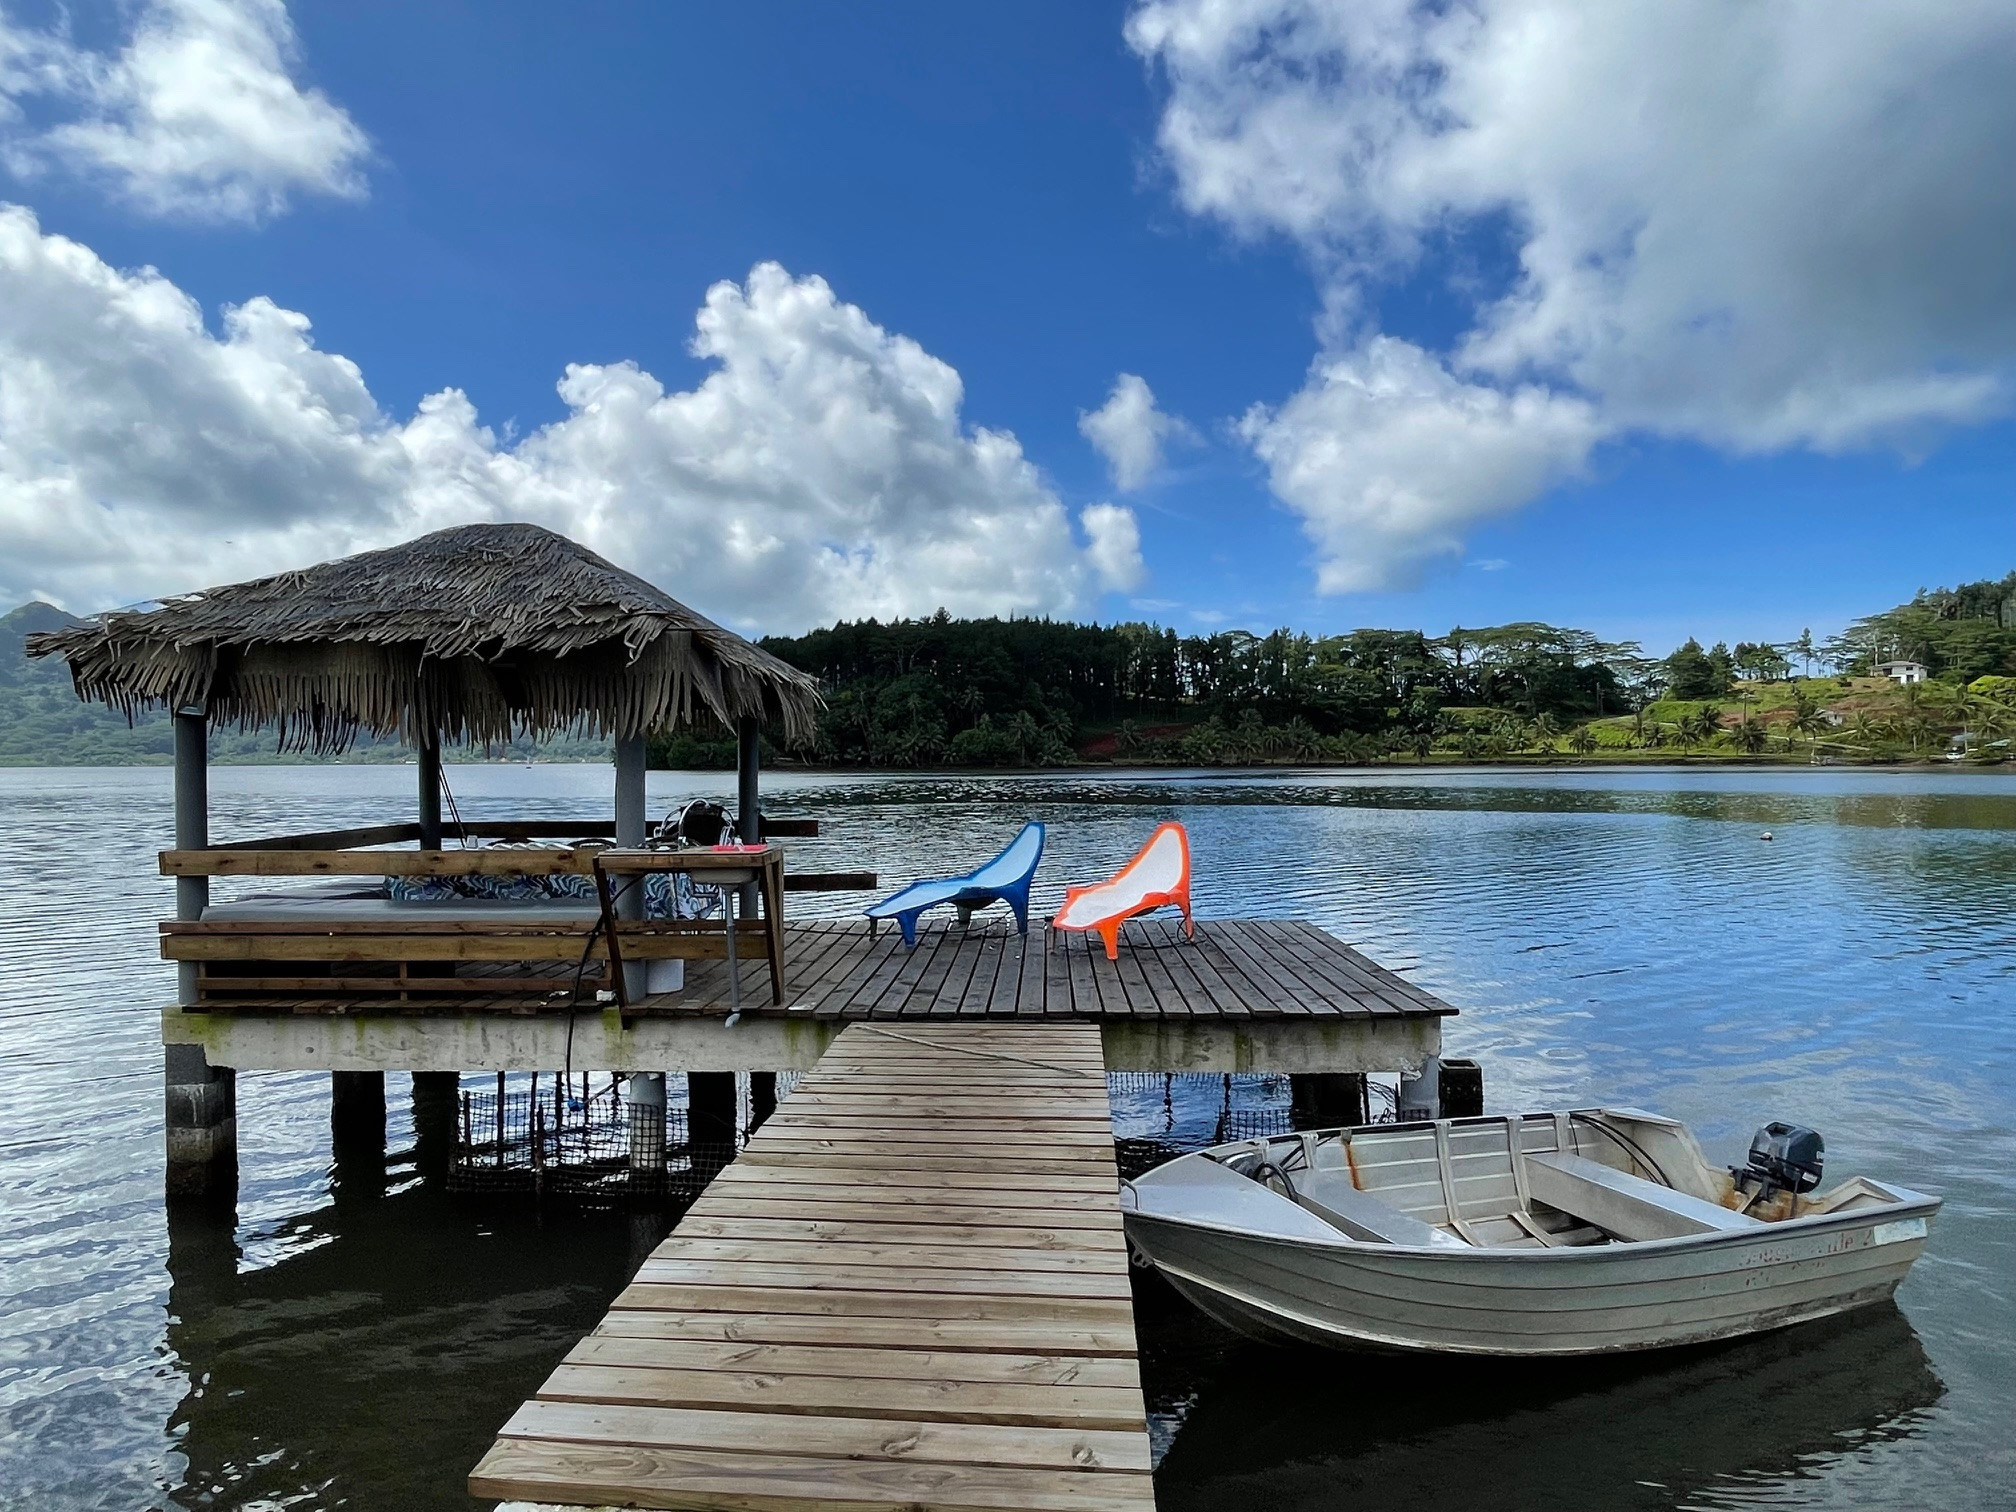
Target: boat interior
<point>1595,1176</point>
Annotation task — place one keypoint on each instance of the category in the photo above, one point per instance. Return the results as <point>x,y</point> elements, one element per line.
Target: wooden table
<point>728,867</point>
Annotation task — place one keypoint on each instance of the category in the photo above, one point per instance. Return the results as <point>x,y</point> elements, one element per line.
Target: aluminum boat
<point>1569,1233</point>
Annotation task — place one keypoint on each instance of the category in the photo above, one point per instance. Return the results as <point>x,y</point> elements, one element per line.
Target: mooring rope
<point>911,1039</point>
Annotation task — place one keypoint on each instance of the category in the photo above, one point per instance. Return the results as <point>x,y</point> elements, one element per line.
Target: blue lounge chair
<point>1005,879</point>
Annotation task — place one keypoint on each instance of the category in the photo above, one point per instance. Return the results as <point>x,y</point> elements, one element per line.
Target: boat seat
<point>1359,1215</point>
<point>1626,1206</point>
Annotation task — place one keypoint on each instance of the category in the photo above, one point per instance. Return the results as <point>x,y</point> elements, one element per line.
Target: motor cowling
<point>1787,1156</point>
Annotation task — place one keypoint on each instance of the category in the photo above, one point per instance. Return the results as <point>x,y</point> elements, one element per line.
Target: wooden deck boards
<point>1232,969</point>
<point>834,970</point>
<point>856,1317</point>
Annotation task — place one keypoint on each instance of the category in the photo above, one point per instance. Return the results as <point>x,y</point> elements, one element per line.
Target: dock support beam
<point>200,1101</point>
<point>710,1119</point>
<point>644,1091</point>
<point>748,760</point>
<point>192,830</point>
<point>762,1098</point>
<point>748,802</point>
<point>630,823</point>
<point>430,790</point>
<point>437,1105</point>
<point>202,1120</point>
<point>357,1108</point>
<point>1326,1101</point>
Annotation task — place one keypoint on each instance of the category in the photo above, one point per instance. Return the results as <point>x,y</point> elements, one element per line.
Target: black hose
<point>1631,1145</point>
<point>581,969</point>
<point>1266,1168</point>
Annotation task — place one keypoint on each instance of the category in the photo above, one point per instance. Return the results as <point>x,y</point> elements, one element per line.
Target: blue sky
<point>1460,423</point>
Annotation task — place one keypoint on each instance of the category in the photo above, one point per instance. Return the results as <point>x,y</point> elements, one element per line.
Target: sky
<point>1652,320</point>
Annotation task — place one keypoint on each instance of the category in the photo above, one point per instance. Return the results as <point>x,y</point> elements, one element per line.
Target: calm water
<point>1621,937</point>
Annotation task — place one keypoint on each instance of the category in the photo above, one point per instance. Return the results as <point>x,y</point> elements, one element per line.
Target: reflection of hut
<point>475,634</point>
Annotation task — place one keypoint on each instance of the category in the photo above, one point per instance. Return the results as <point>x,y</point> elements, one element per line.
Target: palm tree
<point>1808,718</point>
<point>1750,734</point>
<point>1984,715</point>
<point>1582,740</point>
<point>1704,726</point>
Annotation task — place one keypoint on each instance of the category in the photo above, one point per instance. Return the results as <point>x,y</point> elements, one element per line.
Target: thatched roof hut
<point>477,633</point>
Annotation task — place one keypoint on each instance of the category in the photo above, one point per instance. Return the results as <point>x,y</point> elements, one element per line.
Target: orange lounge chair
<point>1159,874</point>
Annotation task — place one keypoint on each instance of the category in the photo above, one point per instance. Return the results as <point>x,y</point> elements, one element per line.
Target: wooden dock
<point>1235,969</point>
<point>909,1291</point>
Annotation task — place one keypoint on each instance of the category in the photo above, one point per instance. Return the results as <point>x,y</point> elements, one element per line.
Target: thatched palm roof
<point>481,632</point>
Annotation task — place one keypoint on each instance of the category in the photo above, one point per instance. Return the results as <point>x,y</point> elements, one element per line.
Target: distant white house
<point>1905,672</point>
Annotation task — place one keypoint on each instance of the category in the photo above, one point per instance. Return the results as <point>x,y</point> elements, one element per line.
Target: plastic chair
<point>1158,875</point>
<point>1005,879</point>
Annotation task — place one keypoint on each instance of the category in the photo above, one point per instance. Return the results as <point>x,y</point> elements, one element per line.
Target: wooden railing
<point>314,959</point>
<point>348,853</point>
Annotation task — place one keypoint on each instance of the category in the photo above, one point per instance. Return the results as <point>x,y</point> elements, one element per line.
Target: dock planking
<point>837,970</point>
<point>1238,969</point>
<point>924,1307</point>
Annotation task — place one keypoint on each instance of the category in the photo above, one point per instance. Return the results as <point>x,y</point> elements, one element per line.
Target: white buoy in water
<point>1765,836</point>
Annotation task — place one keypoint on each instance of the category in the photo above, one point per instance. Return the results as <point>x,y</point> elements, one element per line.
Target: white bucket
<point>664,976</point>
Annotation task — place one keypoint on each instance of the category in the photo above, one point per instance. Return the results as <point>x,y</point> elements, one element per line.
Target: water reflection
<point>1621,936</point>
<point>372,1366</point>
<point>1727,1425</point>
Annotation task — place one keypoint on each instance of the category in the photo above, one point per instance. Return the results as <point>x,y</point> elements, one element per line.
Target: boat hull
<point>1546,1302</point>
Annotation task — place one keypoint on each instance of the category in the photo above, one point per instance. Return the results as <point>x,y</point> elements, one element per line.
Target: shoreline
<point>1610,761</point>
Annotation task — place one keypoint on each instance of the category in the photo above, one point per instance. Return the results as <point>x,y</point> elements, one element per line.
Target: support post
<point>710,1120</point>
<point>200,1101</point>
<point>630,823</point>
<point>192,829</point>
<point>1328,1100</point>
<point>357,1135</point>
<point>762,1098</point>
<point>748,804</point>
<point>644,1091</point>
<point>748,759</point>
<point>201,1114</point>
<point>430,790</point>
<point>1420,1095</point>
<point>437,1105</point>
<point>357,1108</point>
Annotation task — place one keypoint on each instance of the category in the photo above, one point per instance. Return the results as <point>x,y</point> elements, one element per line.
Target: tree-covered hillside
<point>44,723</point>
<point>997,693</point>
<point>1960,633</point>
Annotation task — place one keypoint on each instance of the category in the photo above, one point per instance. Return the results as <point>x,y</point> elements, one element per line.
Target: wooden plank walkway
<point>908,1292</point>
<point>1238,969</point>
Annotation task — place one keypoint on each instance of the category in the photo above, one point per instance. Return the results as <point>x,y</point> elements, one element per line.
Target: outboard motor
<point>1784,1157</point>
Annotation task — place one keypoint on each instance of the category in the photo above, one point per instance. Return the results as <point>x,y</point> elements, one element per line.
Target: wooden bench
<point>1625,1206</point>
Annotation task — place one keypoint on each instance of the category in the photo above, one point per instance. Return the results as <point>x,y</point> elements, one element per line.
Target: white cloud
<point>1130,432</point>
<point>1115,545</point>
<point>1758,226</point>
<point>821,469</point>
<point>1388,459</point>
<point>198,116</point>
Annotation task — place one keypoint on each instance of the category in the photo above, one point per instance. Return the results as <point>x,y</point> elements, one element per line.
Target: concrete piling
<point>202,1123</point>
<point>1326,1101</point>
